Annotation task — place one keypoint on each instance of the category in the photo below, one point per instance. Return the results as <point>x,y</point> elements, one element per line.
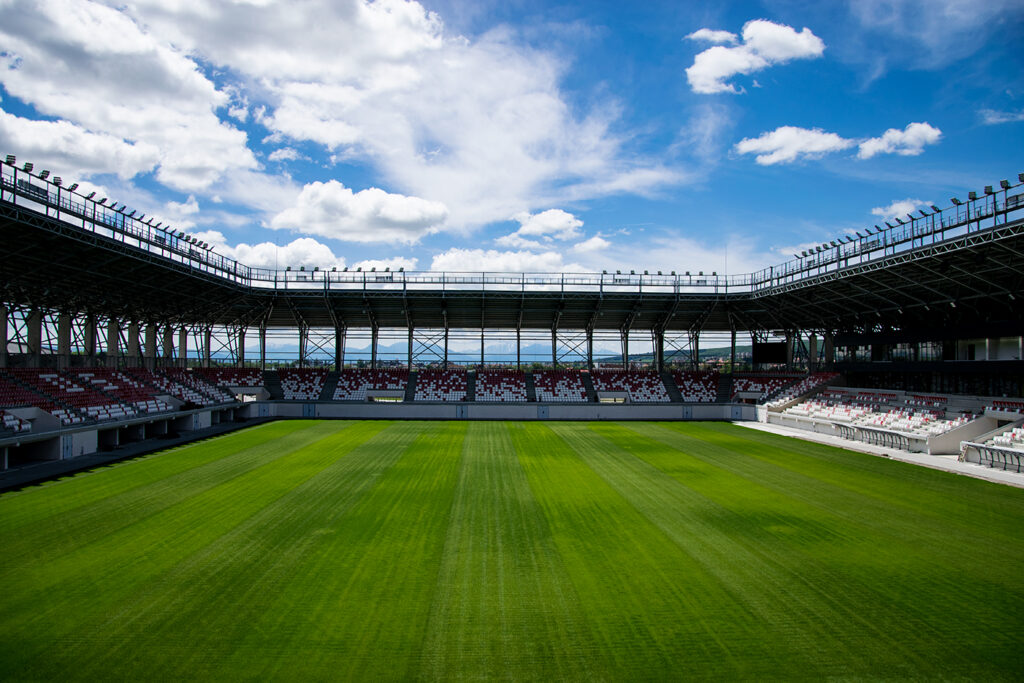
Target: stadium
<point>547,340</point>
<point>905,338</point>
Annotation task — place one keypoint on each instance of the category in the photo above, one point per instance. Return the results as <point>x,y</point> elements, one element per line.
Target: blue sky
<point>518,135</point>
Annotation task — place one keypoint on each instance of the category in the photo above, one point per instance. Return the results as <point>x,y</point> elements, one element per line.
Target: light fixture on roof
<point>936,209</point>
<point>910,217</point>
<point>11,159</point>
<point>74,186</point>
<point>58,181</point>
<point>888,224</point>
<point>131,214</point>
<point>673,273</point>
<point>158,224</point>
<point>955,201</point>
<point>921,211</point>
<point>833,243</point>
<point>345,269</point>
<point>44,174</point>
<point>802,254</point>
<point>972,195</point>
<point>91,195</point>
<point>988,189</point>
<point>181,234</point>
<point>1005,184</point>
<point>28,167</point>
<point>1020,176</point>
<point>402,269</point>
<point>103,201</point>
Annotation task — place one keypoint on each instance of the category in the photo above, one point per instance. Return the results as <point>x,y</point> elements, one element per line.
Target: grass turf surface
<point>448,550</point>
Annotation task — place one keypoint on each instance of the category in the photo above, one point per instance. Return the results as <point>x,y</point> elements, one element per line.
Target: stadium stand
<point>353,384</point>
<point>122,387</point>
<point>441,385</point>
<point>302,384</point>
<point>1013,438</point>
<point>181,384</point>
<point>764,385</point>
<point>13,423</point>
<point>504,386</point>
<point>559,386</point>
<point>1007,407</point>
<point>232,377</point>
<point>697,386</point>
<point>642,386</point>
<point>881,410</point>
<point>76,402</point>
<point>807,384</point>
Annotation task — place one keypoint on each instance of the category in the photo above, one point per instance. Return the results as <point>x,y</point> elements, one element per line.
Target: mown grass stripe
<point>504,605</point>
<point>358,607</point>
<point>97,581</point>
<point>181,473</point>
<point>643,597</point>
<point>914,600</point>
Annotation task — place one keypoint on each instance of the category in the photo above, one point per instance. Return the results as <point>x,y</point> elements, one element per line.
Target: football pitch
<point>311,550</point>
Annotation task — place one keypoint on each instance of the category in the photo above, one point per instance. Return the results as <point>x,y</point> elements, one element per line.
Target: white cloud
<point>712,36</point>
<point>479,260</point>
<point>553,223</point>
<point>595,243</point>
<point>304,251</point>
<point>765,44</point>
<point>514,241</point>
<point>481,125</point>
<point>991,117</point>
<point>899,208</point>
<point>96,68</point>
<point>187,208</point>
<point>65,148</point>
<point>907,142</point>
<point>789,143</point>
<point>332,210</point>
<point>285,154</point>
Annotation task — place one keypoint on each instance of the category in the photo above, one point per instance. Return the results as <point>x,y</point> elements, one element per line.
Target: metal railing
<point>47,196</point>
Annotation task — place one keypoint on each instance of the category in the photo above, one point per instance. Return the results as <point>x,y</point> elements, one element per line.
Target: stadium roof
<point>951,271</point>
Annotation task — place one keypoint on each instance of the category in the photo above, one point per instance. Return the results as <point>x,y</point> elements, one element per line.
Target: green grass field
<point>451,550</point>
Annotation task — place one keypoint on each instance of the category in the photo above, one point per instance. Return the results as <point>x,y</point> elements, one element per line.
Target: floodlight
<point>1020,176</point>
<point>646,273</point>
<point>988,189</point>
<point>659,272</point>
<point>402,269</point>
<point>833,243</point>
<point>74,186</point>
<point>158,224</point>
<point>57,181</point>
<point>359,269</point>
<point>972,195</point>
<point>316,268</point>
<point>687,273</point>
<point>802,254</point>
<point>302,268</point>
<point>388,269</point>
<point>288,268</point>
<point>181,234</point>
<point>345,269</point>
<point>936,209</point>
<point>90,195</point>
<point>911,217</point>
<point>28,167</point>
<point>619,272</point>
<point>633,272</point>
<point>921,211</point>
<point>889,225</point>
<point>955,201</point>
<point>952,304</point>
<point>1005,184</point>
<point>898,221</point>
<point>796,256</point>
<point>103,201</point>
<point>334,269</point>
<point>604,272</point>
<point>673,273</point>
<point>131,214</point>
<point>44,174</point>
<point>11,159</point>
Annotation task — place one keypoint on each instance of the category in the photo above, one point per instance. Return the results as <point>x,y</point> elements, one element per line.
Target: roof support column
<point>732,351</point>
<point>304,344</point>
<point>168,358</point>
<point>374,335</point>
<point>34,336</point>
<point>789,350</point>
<point>241,346</point>
<point>89,338</point>
<point>207,345</point>
<point>340,332</point>
<point>554,348</point>
<point>481,347</point>
<point>3,339</point>
<point>659,350</point>
<point>830,350</point>
<point>446,346</point>
<point>63,339</point>
<point>812,352</point>
<point>183,346</point>
<point>263,346</point>
<point>695,349</point>
<point>134,354</point>
<point>624,337</point>
<point>150,346</point>
<point>519,356</point>
<point>590,348</point>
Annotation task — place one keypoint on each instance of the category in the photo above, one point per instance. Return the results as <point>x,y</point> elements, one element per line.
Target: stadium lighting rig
<point>44,174</point>
<point>11,159</point>
<point>27,167</point>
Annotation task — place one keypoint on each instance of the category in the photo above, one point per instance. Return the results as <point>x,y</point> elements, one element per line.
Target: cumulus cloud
<point>789,143</point>
<point>551,224</point>
<point>100,71</point>
<point>304,251</point>
<point>285,154</point>
<point>765,44</point>
<point>481,125</point>
<point>991,117</point>
<point>67,148</point>
<point>899,208</point>
<point>595,243</point>
<point>479,260</point>
<point>907,142</point>
<point>711,36</point>
<point>332,210</point>
<point>393,263</point>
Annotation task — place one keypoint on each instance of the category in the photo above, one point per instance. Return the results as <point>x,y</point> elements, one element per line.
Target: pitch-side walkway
<point>948,463</point>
